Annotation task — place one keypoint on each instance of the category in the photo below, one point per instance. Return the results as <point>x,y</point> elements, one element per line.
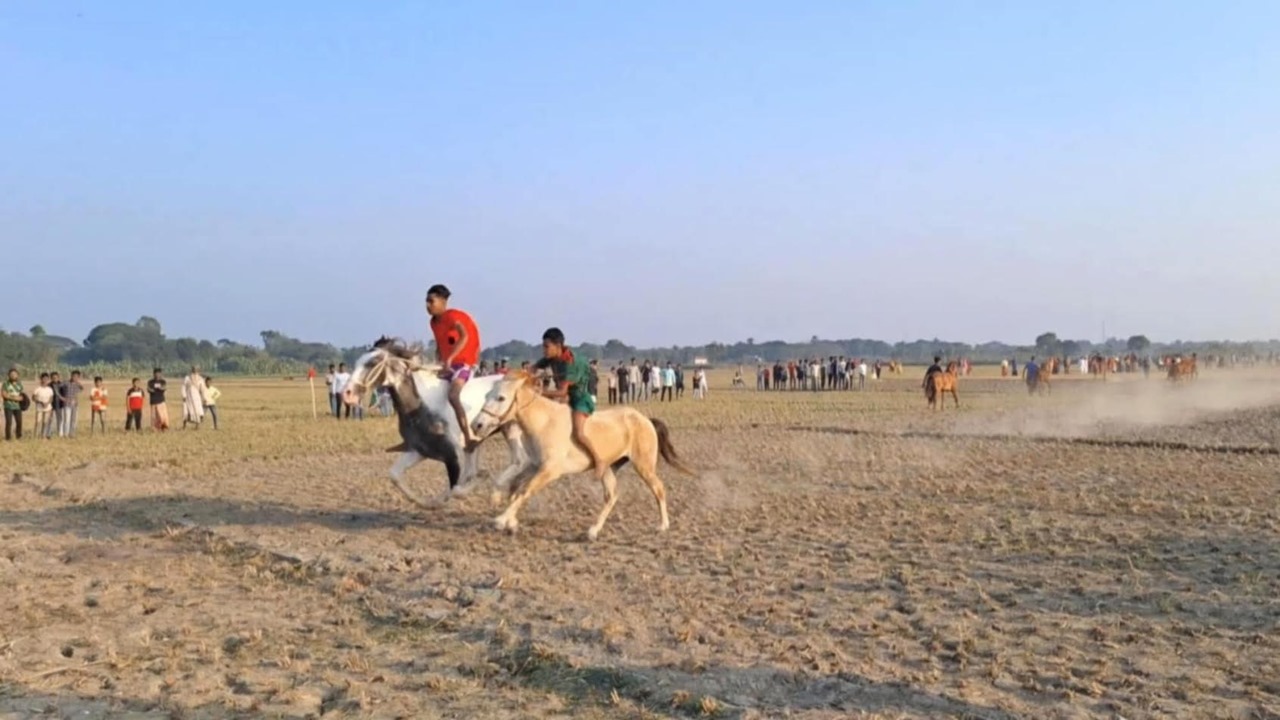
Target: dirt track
<point>916,568</point>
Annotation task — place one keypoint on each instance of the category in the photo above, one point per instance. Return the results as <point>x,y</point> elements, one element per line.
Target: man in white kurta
<point>193,391</point>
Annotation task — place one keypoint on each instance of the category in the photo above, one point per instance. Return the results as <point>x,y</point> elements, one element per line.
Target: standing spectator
<point>815,375</point>
<point>335,402</point>
<point>384,397</point>
<point>134,400</point>
<point>668,383</point>
<point>593,381</point>
<point>646,372</point>
<point>71,411</point>
<point>340,380</point>
<point>193,399</point>
<point>655,380</point>
<point>700,384</point>
<point>13,395</point>
<point>159,411</point>
<point>613,385</point>
<point>862,374</point>
<point>211,397</point>
<point>98,405</point>
<point>42,398</point>
<point>634,380</point>
<point>624,384</point>
<point>59,403</point>
<point>679,381</point>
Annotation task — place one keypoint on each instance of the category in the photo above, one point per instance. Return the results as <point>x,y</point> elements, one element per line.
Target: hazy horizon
<point>963,171</point>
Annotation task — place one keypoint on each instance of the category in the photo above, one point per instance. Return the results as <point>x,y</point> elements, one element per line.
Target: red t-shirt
<point>444,327</point>
<point>136,397</point>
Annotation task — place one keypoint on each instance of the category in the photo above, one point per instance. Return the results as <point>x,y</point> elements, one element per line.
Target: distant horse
<point>620,434</point>
<point>428,425</point>
<point>1182,368</point>
<point>938,383</point>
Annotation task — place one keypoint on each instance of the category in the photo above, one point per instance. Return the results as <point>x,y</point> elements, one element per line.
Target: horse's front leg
<point>507,520</point>
<point>518,463</point>
<point>407,460</point>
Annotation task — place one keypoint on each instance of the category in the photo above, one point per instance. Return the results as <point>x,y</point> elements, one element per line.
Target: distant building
<point>700,361</point>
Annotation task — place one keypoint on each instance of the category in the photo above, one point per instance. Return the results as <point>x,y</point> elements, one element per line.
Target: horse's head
<point>503,402</point>
<point>390,362</point>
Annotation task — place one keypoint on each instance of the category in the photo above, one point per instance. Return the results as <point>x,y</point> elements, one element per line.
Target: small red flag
<point>311,373</point>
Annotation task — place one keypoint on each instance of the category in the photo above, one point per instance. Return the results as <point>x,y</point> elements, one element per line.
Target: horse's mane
<point>411,353</point>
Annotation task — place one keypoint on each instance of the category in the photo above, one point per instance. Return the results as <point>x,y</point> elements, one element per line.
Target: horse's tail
<point>668,450</point>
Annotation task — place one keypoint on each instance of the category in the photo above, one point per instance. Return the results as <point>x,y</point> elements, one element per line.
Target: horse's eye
<point>502,398</point>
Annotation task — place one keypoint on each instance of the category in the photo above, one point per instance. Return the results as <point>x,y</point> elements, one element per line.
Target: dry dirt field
<point>1112,550</point>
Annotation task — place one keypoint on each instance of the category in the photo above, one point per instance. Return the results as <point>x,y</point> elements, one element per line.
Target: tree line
<point>137,347</point>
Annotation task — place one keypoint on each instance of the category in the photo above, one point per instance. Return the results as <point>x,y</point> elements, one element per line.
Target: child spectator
<point>13,397</point>
<point>159,411</point>
<point>59,407</point>
<point>42,398</point>
<point>71,413</point>
<point>134,400</point>
<point>98,405</point>
<point>211,395</point>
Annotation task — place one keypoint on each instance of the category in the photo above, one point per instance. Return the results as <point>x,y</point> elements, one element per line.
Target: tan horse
<point>1183,368</point>
<point>619,434</point>
<point>1042,382</point>
<point>942,382</point>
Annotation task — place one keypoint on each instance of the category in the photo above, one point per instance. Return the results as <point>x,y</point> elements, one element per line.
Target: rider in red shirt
<point>457,348</point>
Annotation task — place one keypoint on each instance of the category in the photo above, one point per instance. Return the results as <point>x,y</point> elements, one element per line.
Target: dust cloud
<point>1074,411</point>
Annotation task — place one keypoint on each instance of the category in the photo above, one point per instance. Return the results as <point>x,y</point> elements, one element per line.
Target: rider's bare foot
<point>470,442</point>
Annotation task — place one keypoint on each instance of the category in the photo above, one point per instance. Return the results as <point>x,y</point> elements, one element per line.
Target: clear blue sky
<point>708,170</point>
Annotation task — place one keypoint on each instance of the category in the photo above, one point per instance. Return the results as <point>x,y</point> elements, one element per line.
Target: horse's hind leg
<point>649,474</point>
<point>955,397</point>
<point>610,484</point>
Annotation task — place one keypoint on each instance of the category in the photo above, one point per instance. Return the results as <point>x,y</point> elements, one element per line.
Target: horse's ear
<point>381,342</point>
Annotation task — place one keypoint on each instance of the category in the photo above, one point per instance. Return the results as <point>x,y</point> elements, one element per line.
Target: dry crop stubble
<point>840,553</point>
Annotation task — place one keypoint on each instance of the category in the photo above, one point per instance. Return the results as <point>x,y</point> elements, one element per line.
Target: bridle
<point>500,419</point>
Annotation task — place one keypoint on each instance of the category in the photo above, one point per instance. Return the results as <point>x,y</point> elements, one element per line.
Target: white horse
<point>428,425</point>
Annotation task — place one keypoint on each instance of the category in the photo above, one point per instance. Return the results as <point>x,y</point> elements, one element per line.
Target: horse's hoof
<point>495,498</point>
<point>592,534</point>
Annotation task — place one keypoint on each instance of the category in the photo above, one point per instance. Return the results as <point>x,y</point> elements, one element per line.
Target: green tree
<point>150,324</point>
<point>1048,344</point>
<point>1138,344</point>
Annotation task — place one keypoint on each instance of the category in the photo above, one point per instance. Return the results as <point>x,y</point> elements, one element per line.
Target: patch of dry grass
<point>920,568</point>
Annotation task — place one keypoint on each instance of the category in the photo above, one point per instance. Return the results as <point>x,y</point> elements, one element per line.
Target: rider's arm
<point>457,347</point>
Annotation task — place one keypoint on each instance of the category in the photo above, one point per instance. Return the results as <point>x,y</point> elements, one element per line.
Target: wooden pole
<point>311,379</point>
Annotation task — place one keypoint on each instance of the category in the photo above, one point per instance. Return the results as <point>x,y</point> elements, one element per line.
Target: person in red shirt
<point>136,398</point>
<point>457,348</point>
